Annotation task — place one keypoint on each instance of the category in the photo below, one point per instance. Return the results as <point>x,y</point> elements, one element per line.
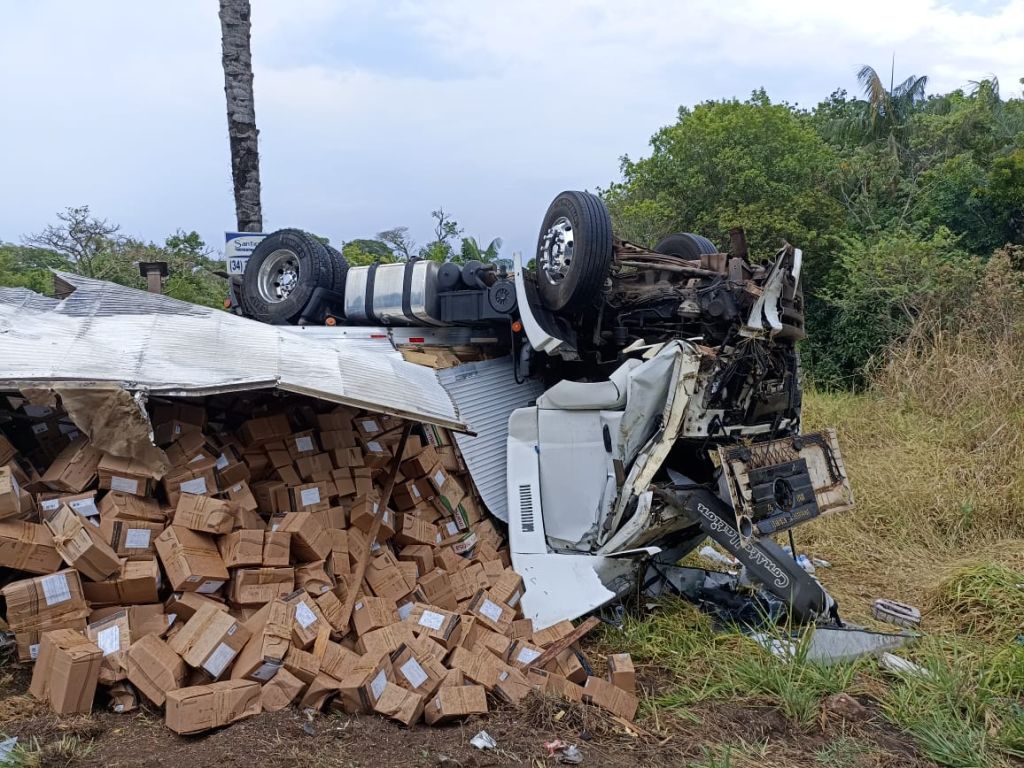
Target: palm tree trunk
<point>242,134</point>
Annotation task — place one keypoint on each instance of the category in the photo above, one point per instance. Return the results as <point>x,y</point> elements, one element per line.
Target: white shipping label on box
<point>266,671</point>
<point>526,655</point>
<point>439,478</point>
<point>310,496</point>
<point>503,676</point>
<point>50,505</point>
<point>137,538</point>
<point>404,611</point>
<point>222,461</point>
<point>199,457</point>
<point>123,484</point>
<point>413,672</point>
<point>210,587</point>
<point>514,600</point>
<point>431,619</point>
<point>304,443</point>
<point>37,411</point>
<point>109,640</point>
<point>84,507</point>
<point>218,661</point>
<point>491,610</point>
<point>304,616</point>
<point>197,486</point>
<point>40,428</point>
<point>415,491</point>
<point>33,651</point>
<point>378,684</point>
<point>370,426</point>
<point>451,527</point>
<point>374,446</point>
<point>56,588</point>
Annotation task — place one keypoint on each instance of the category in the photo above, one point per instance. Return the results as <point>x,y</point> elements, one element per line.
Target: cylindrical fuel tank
<point>393,294</point>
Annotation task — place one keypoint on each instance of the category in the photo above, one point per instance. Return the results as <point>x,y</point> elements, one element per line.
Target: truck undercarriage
<point>670,405</point>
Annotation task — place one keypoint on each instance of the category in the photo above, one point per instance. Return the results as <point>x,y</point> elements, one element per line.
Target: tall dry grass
<point>935,452</point>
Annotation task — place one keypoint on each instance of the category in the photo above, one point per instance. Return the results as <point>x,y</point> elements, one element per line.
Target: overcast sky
<point>374,113</point>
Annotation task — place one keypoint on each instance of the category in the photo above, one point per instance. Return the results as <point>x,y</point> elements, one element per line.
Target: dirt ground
<point>756,736</point>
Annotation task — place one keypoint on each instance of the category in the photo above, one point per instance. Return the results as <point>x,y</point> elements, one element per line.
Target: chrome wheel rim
<point>278,275</point>
<point>557,250</point>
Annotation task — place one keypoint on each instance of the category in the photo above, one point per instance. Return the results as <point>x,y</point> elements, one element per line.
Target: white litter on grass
<point>483,740</point>
<point>7,750</point>
<point>901,666</point>
<point>713,555</point>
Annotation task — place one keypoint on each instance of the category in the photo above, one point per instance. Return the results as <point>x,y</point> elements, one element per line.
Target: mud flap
<point>765,560</point>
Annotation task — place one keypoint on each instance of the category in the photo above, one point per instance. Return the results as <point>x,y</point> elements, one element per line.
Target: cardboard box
<point>417,531</point>
<point>242,496</point>
<point>276,549</point>
<point>314,578</point>
<point>309,621</point>
<point>190,445</point>
<point>335,659</point>
<point>242,548</point>
<point>386,578</point>
<point>81,545</point>
<point>468,581</point>
<point>437,589</point>
<point>28,547</point>
<point>10,494</point>
<point>265,429</point>
<point>204,514</point>
<point>385,640</point>
<point>146,619</point>
<point>368,426</point>
<point>451,702</point>
<point>416,671</point>
<point>332,517</point>
<point>75,467</point>
<point>337,438</point>
<point>198,479</point>
<point>621,672</point>
<point>183,605</point>
<point>522,629</point>
<point>612,698</point>
<point>406,496</point>
<point>493,614</point>
<point>309,539</point>
<point>256,586</point>
<point>370,613</point>
<point>421,554</point>
<point>125,506</point>
<point>522,654</point>
<point>443,626</point>
<point>364,685</point>
<point>542,638</point>
<point>449,491</point>
<point>112,635</point>
<point>362,512</point>
<point>421,464</point>
<point>66,672</point>
<point>263,655</point>
<point>230,468</point>
<point>303,664</point>
<point>282,690</point>
<point>553,684</point>
<point>136,582</point>
<point>479,666</point>
<point>508,588</point>
<point>399,704</point>
<point>569,666</point>
<point>314,467</point>
<point>82,503</point>
<point>512,686</point>
<point>210,640</point>
<point>56,596</point>
<point>7,450</point>
<point>134,539</point>
<point>202,707</point>
<point>191,560</point>
<point>375,454</point>
<point>126,475</point>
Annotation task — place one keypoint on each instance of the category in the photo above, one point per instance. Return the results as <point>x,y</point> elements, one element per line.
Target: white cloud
<point>489,108</point>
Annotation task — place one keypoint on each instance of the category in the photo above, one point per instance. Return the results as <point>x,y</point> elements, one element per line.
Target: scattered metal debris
<point>900,614</point>
<point>483,740</point>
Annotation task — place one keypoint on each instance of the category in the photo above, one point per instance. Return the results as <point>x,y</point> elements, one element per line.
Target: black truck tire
<point>340,264</point>
<point>574,252</point>
<point>685,245</point>
<point>282,273</point>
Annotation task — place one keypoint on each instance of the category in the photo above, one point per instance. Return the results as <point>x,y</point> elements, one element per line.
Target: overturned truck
<point>634,402</point>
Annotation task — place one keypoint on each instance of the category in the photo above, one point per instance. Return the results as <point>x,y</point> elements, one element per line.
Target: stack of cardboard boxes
<point>216,588</point>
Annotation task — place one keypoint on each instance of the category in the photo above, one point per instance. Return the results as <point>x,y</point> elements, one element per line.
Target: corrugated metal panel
<point>108,334</point>
<point>486,393</point>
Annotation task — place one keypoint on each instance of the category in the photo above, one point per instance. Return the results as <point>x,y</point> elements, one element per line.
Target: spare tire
<point>685,245</point>
<point>282,273</point>
<point>574,252</point>
<point>340,265</point>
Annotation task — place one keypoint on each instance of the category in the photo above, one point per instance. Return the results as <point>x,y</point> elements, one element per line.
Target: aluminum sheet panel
<point>485,394</point>
<point>103,334</point>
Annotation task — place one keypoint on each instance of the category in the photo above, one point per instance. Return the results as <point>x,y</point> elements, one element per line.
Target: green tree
<point>79,237</point>
<point>471,250</point>
<point>446,231</point>
<point>723,164</point>
<point>397,239</point>
<point>363,252</point>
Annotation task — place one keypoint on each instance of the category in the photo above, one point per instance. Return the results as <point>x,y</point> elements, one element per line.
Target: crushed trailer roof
<point>100,334</point>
